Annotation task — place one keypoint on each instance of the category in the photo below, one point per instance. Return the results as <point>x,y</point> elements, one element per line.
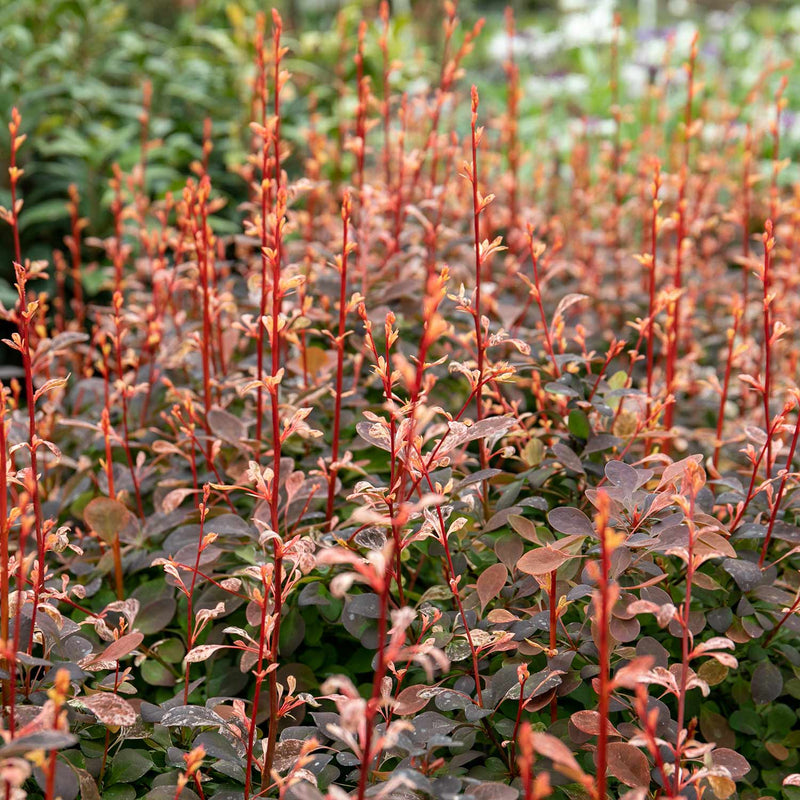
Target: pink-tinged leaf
<point>110,709</point>
<point>226,426</point>
<point>722,787</point>
<point>499,616</point>
<point>106,517</point>
<point>376,434</point>
<point>202,652</point>
<point>287,751</point>
<point>174,498</point>
<point>542,560</point>
<point>662,677</point>
<point>711,545</point>
<point>628,764</point>
<point>756,435</point>
<point>163,448</point>
<point>639,793</point>
<point>62,342</point>
<point>664,612</point>
<point>714,643</point>
<point>490,790</point>
<point>661,501</point>
<point>588,722</point>
<point>567,301</point>
<point>128,608</point>
<point>623,476</point>
<point>413,699</point>
<point>48,386</point>
<point>486,428</point>
<point>120,648</point>
<point>509,549</point>
<point>736,764</point>
<point>459,433</point>
<point>792,780</point>
<point>491,582</point>
<point>524,527</point>
<point>571,521</point>
<point>633,673</point>
<point>554,749</point>
<point>675,471</point>
<point>566,542</point>
<point>567,457</point>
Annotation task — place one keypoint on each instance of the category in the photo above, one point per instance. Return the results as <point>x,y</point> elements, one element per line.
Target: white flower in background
<point>678,8</point>
<point>593,26</point>
<point>544,45</point>
<point>498,46</point>
<point>634,78</point>
<point>726,20</point>
<point>604,128</point>
<point>545,87</point>
<point>712,133</point>
<point>583,23</point>
<point>534,43</point>
<point>576,84</point>
<point>741,39</point>
<point>651,51</point>
<point>684,33</point>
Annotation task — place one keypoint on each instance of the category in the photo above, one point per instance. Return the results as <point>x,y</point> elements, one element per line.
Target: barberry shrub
<point>464,467</point>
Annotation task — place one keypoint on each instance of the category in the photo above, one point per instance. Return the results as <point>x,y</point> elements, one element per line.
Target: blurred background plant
<point>77,70</point>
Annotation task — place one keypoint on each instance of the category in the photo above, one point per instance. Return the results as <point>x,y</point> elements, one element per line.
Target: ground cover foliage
<point>444,460</point>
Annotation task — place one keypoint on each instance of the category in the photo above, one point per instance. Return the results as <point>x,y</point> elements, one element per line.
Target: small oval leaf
<point>542,560</point>
<point>491,582</point>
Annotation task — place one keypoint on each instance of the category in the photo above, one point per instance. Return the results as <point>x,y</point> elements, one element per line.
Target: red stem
<point>651,284</point>
<point>262,311</point>
<point>604,655</point>
<point>339,358</point>
<point>553,600</point>
<point>732,332</point>
<point>5,583</point>
<point>118,332</point>
<point>548,339</point>
<point>275,343</point>
<point>262,646</point>
<point>373,704</point>
<point>769,243</point>
<point>476,210</point>
<point>675,332</point>
<point>190,635</point>
<point>686,644</point>
<point>24,329</point>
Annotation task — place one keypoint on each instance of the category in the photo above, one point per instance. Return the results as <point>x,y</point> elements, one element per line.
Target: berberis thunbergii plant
<point>464,468</point>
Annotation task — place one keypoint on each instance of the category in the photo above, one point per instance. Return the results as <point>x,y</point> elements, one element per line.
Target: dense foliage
<point>407,440</point>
